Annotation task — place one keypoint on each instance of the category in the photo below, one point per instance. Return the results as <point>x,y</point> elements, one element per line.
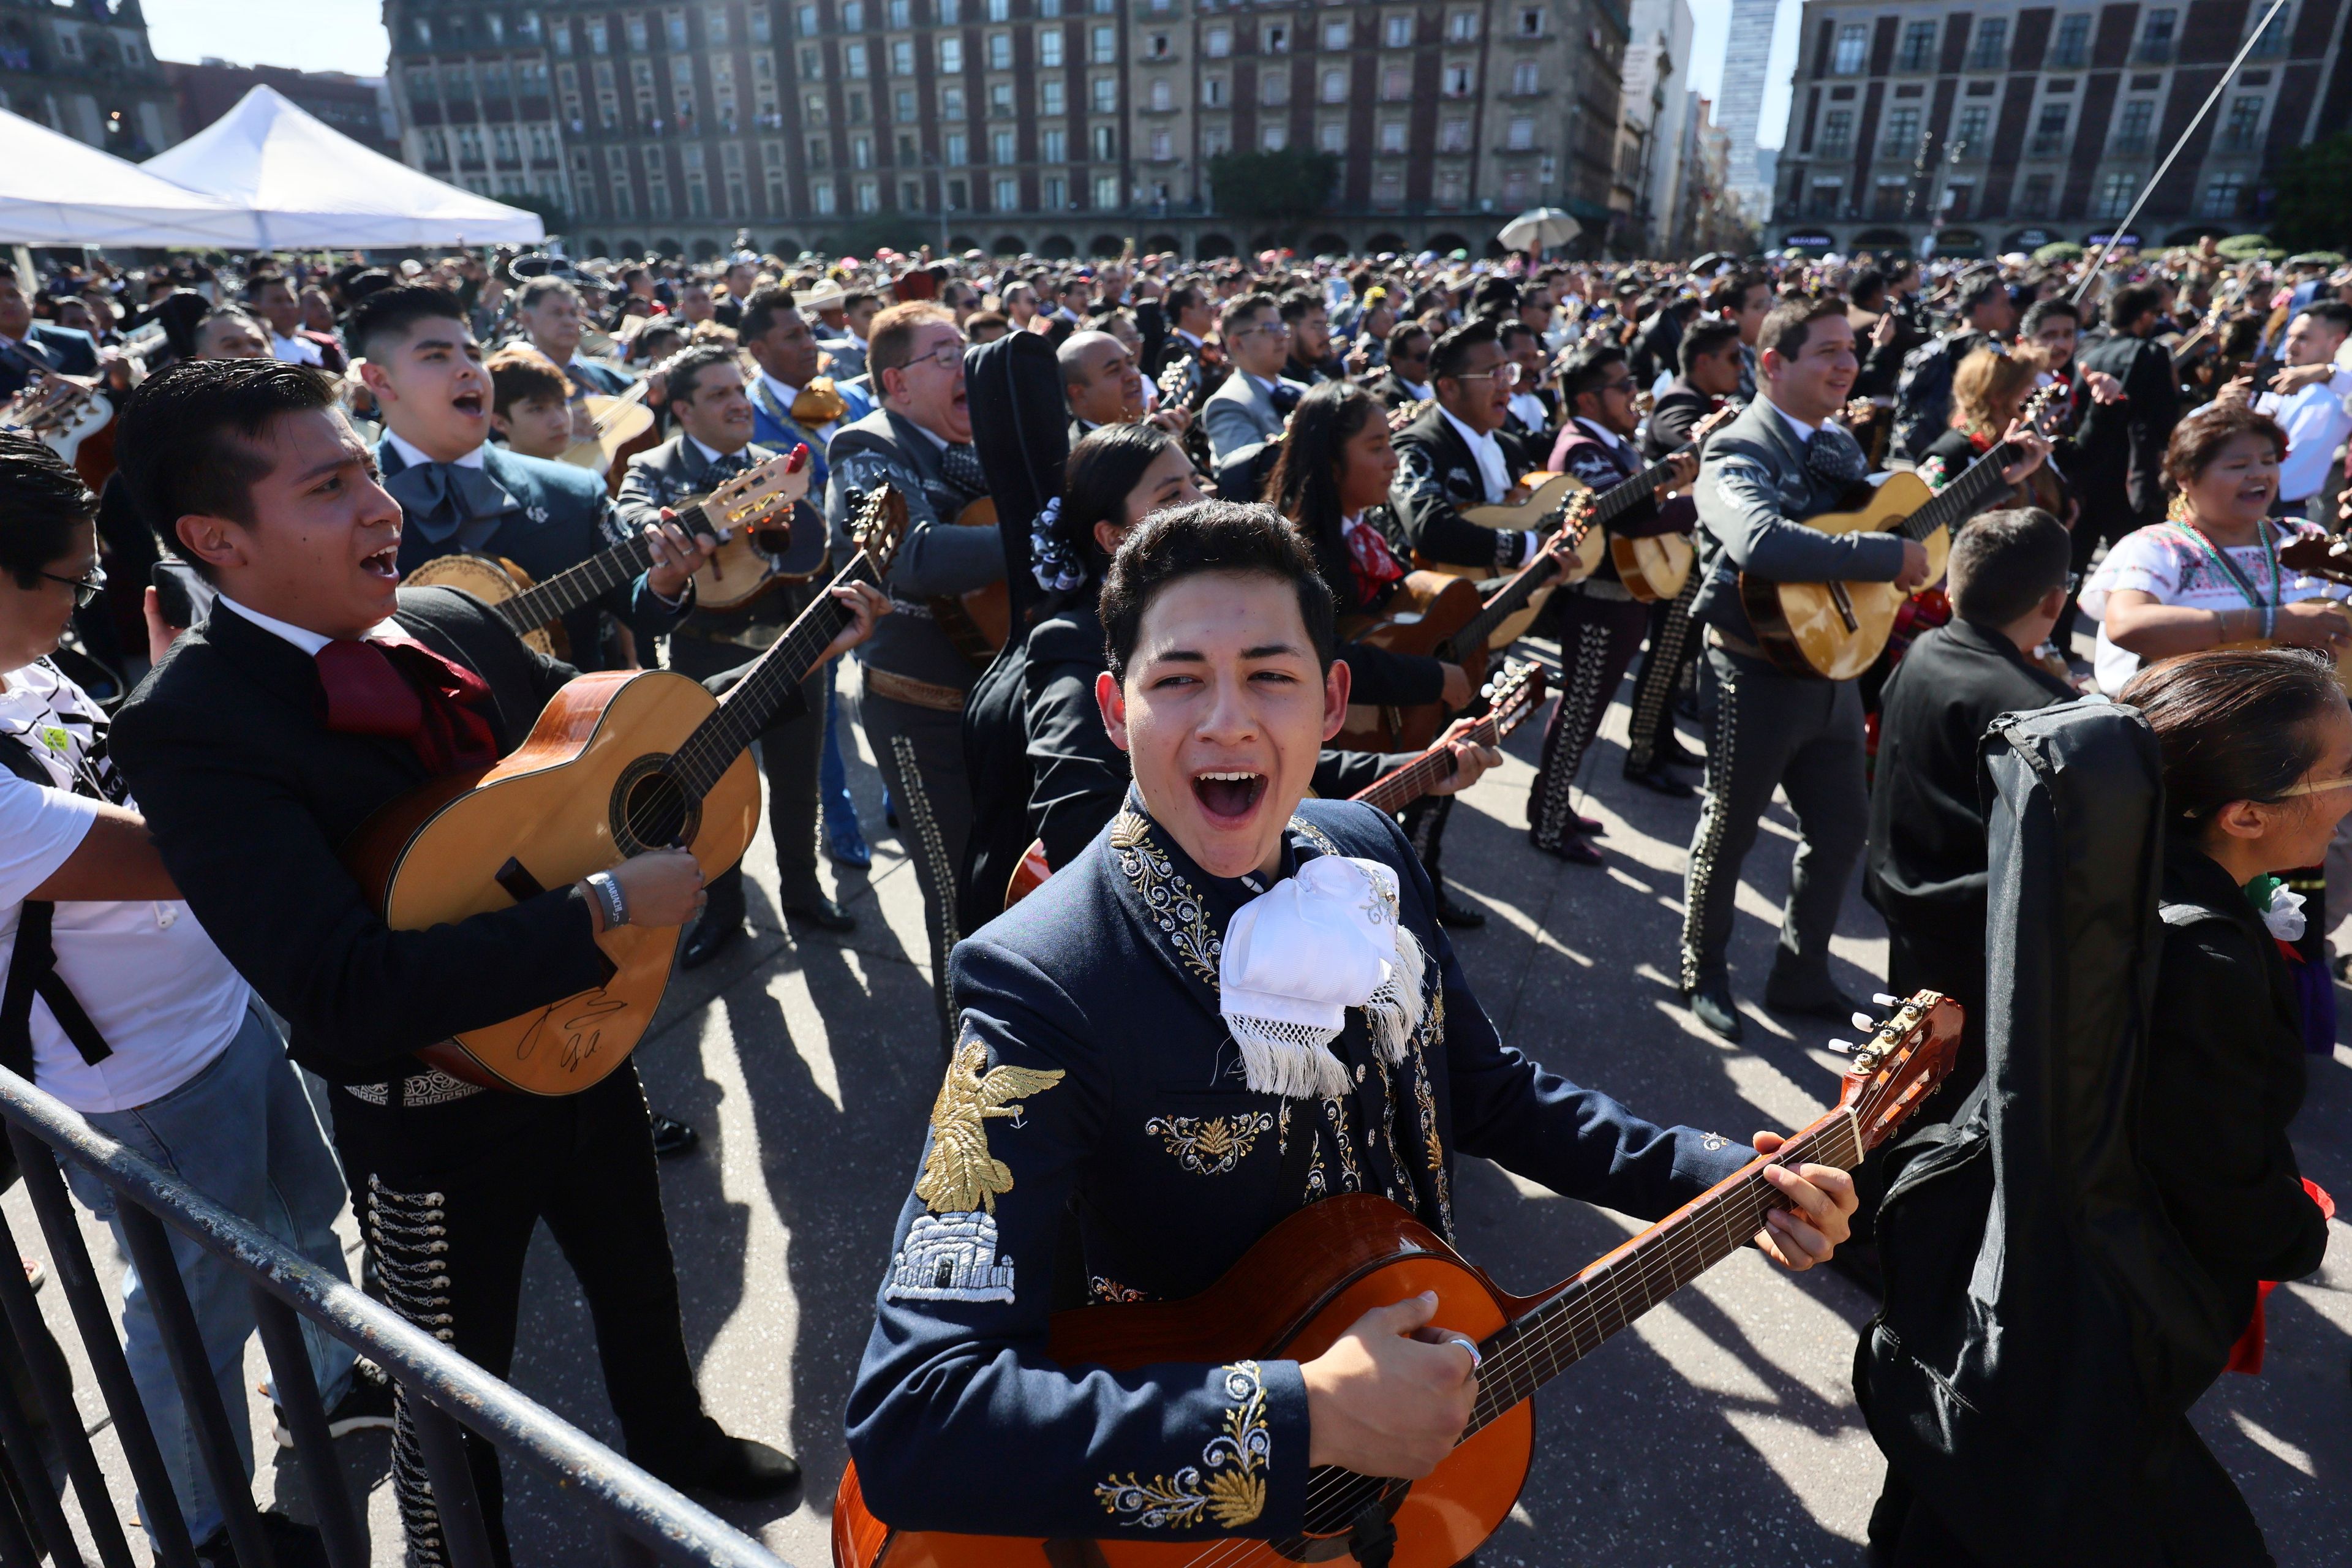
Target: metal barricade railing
<point>643,1520</point>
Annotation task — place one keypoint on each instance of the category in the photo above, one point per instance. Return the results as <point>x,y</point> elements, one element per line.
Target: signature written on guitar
<point>575,1026</point>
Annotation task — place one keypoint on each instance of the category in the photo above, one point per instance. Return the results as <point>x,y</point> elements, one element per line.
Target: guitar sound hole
<point>650,810</point>
<point>1334,1499</point>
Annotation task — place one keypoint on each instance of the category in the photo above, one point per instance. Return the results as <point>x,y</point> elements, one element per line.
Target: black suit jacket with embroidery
<point>1097,1096</point>
<point>1436,476</point>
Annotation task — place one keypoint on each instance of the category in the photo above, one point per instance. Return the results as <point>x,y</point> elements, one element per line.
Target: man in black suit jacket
<point>1405,379</point>
<point>1926,869</point>
<point>27,346</point>
<point>2118,468</point>
<point>1709,376</point>
<point>1458,455</point>
<point>315,694</point>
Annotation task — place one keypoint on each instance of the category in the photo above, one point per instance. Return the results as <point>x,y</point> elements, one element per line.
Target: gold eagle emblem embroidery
<point>960,1175</point>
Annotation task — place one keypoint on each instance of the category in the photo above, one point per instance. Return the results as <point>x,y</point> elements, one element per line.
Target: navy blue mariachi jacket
<point>1095,1088</point>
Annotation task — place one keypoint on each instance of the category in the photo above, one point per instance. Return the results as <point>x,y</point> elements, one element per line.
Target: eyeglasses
<point>1507,373</point>
<point>86,587</point>
<point>945,356</point>
<point>2314,786</point>
<point>1272,330</point>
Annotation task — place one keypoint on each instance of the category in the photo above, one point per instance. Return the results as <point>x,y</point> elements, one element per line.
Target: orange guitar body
<point>1292,1295</point>
<point>1428,608</point>
<point>977,620</point>
<point>559,808</point>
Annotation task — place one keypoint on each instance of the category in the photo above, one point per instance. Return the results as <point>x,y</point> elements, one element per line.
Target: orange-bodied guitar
<point>619,762</point>
<point>1511,697</point>
<point>1836,630</point>
<point>1308,1279</point>
<point>750,515</point>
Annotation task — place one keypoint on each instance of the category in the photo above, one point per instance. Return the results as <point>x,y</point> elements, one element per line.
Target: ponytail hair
<point>2234,724</point>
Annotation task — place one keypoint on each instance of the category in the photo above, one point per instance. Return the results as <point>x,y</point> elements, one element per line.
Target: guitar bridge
<point>520,884</point>
<point>1842,601</point>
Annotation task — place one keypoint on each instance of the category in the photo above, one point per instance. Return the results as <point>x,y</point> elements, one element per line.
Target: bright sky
<point>348,35</point>
<point>309,35</point>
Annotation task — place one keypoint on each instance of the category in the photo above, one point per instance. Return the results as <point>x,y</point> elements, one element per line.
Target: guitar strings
<point>1691,1240</point>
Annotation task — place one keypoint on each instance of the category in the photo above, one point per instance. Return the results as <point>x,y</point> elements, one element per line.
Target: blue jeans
<point>242,1132</point>
<point>841,830</point>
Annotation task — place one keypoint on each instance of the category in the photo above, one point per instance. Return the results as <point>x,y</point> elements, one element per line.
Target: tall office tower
<point>1740,100</point>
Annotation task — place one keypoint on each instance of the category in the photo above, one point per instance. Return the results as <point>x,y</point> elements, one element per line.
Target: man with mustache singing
<point>1235,1002</point>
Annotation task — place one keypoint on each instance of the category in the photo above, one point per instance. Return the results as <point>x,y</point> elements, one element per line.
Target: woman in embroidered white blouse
<point>2213,578</point>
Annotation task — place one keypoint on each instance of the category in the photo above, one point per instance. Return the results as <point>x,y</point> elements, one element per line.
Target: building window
<point>1053,146</point>
<point>1890,197</point>
<point>1461,27</point>
<point>677,29</point>
<point>1005,193</point>
<point>635,28</point>
<point>2242,132</point>
<point>1274,138</point>
<point>1105,193</point>
<point>1968,142</point>
<point>1852,49</point>
<point>902,106</point>
<point>1335,86</point>
<point>1515,187</point>
<point>1049,48</point>
<point>1453,135</point>
<point>999,100</point>
<point>1396,32</point>
<point>1388,188</point>
<point>1213,91</point>
<point>1522,133</point>
<point>853,60</point>
<point>861,151</point>
<point>1452,185</point>
<point>1902,134</point>
<point>1000,51</point>
<point>1918,48</point>
<point>1273,89</point>
<point>1396,84</point>
<point>1163,146</point>
<point>1336,32</point>
<point>1001,147</point>
<point>2224,194</point>
<point>951,103</point>
<point>1054,192</point>
<point>819,152</point>
<point>951,56</point>
<point>1052,96</point>
<point>2116,189</point>
<point>1332,136</point>
<point>2273,37</point>
<point>1274,39</point>
<point>902,57</point>
<point>2071,49</point>
<point>955,148</point>
<point>2050,132</point>
<point>1214,140</point>
<point>1163,94</point>
<point>910,195</point>
<point>1527,79</point>
<point>1217,42</point>
<point>853,16</point>
<point>1105,95</point>
<point>1822,200</point>
<point>821,197</point>
<point>1991,44</point>
<point>2155,36</point>
<point>1837,133</point>
<point>2132,129</point>
<point>805,18</point>
<point>868,196</point>
<point>1458,81</point>
<point>1393,135</point>
<point>2034,200</point>
<point>1106,44</point>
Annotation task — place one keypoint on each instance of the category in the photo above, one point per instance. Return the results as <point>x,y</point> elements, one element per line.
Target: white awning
<point>55,190</point>
<point>308,185</point>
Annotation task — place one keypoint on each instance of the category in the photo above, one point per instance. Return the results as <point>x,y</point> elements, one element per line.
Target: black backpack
<point>1923,395</point>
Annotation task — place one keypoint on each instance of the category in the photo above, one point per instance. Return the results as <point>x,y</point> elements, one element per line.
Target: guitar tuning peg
<point>1865,1023</point>
<point>1844,1046</point>
<point>1881,999</point>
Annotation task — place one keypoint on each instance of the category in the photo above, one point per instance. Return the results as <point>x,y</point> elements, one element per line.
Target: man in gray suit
<point>1780,462</point>
<point>1248,410</point>
<point>911,690</point>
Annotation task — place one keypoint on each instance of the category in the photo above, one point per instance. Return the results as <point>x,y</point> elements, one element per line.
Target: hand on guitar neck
<point>1393,1395</point>
<point>677,556</point>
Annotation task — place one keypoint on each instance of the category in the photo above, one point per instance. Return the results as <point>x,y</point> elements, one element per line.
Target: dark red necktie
<point>397,687</point>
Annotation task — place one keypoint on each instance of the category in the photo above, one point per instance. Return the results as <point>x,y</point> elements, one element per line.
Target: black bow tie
<point>1835,457</point>
<point>1285,397</point>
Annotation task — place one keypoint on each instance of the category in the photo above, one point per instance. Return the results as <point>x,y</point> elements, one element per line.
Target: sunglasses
<point>86,587</point>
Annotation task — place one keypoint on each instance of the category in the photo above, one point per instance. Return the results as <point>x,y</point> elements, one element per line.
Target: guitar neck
<point>545,603</point>
<point>1511,598</point>
<point>1391,792</point>
<point>1623,496</point>
<point>1959,499</point>
<point>1527,1353</point>
<point>746,710</point>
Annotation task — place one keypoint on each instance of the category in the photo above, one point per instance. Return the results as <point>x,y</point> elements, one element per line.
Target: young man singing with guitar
<point>1236,1003</point>
<point>317,693</point>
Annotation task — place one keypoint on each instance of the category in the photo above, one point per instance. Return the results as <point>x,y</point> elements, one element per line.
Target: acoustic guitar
<point>620,762</point>
<point>623,426</point>
<point>1656,567</point>
<point>1511,697</point>
<point>750,515</point>
<point>72,419</point>
<point>1308,1279</point>
<point>2314,556</point>
<point>1837,630</point>
<point>1540,513</point>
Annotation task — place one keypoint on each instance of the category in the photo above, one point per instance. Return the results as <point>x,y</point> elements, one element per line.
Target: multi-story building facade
<point>1739,99</point>
<point>85,68</point>
<point>1052,126</point>
<point>1652,122</point>
<point>1996,128</point>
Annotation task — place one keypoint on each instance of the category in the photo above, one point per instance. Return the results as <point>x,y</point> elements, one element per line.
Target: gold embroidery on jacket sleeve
<point>958,1173</point>
<point>1233,1491</point>
<point>1210,1145</point>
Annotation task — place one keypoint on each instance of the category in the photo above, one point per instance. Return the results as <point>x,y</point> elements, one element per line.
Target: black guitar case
<point>2044,1327</point>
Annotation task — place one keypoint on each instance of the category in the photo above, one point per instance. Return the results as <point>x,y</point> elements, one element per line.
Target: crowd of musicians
<point>1180,544</point>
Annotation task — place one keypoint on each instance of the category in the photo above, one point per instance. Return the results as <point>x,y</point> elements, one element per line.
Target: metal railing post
<point>306,1418</point>
<point>45,1184</point>
<point>32,1473</point>
<point>192,1368</point>
<point>456,1502</point>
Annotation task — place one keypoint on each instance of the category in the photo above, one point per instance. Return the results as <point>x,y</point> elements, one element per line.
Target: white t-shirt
<point>2157,560</point>
<point>2315,420</point>
<point>158,991</point>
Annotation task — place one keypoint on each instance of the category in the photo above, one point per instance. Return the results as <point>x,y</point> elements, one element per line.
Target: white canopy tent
<point>306,184</point>
<point>55,190</point>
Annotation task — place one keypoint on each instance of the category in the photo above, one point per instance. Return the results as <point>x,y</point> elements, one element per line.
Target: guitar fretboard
<point>544,604</point>
<point>1393,791</point>
<point>1524,1354</point>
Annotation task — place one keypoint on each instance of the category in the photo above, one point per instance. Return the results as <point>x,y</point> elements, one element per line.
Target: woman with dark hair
<point>2209,575</point>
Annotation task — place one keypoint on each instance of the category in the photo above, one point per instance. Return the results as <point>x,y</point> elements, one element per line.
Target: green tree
<point>2312,209</point>
<point>1285,186</point>
<point>551,212</point>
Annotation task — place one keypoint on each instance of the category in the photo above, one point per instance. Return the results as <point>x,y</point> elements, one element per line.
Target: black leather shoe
<point>1711,1005</point>
<point>1674,754</point>
<point>1571,849</point>
<point>823,914</point>
<point>289,1544</point>
<point>673,1137</point>
<point>711,934</point>
<point>1657,779</point>
<point>1831,1004</point>
<point>1461,917</point>
<point>741,1469</point>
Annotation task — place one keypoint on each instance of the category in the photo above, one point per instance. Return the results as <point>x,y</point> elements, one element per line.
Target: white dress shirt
<point>309,641</point>
<point>411,455</point>
<point>2316,421</point>
<point>295,351</point>
<point>1493,472</point>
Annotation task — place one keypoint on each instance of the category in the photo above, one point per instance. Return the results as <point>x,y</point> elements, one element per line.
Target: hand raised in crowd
<point>1882,331</point>
<point>1471,760</point>
<point>677,555</point>
<point>2104,388</point>
<point>2034,446</point>
<point>2292,379</point>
